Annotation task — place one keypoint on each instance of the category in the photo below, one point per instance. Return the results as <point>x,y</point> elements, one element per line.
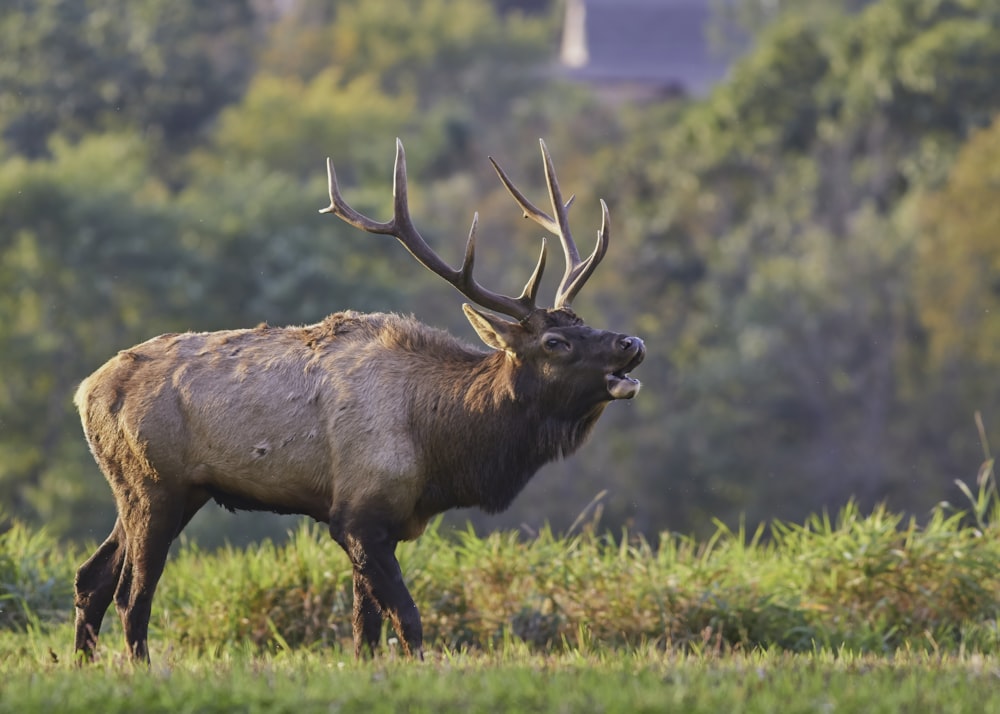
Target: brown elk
<point>372,423</point>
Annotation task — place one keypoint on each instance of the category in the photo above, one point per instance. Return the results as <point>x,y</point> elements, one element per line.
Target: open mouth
<point>620,384</point>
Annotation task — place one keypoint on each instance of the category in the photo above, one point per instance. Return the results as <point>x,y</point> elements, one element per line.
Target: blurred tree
<point>290,125</point>
<point>458,65</point>
<point>161,66</point>
<point>436,48</point>
<point>298,40</point>
<point>959,265</point>
<point>89,265</point>
<point>773,212</point>
<point>765,237</point>
<point>754,16</point>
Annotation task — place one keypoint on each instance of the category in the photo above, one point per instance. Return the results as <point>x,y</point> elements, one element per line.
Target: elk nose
<point>626,343</point>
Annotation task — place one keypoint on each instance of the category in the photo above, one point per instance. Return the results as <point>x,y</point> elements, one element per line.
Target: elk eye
<point>554,343</point>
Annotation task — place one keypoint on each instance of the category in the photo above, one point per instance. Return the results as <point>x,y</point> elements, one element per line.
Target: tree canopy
<point>808,251</point>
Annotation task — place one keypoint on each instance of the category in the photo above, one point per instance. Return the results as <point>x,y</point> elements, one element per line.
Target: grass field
<point>858,613</point>
<point>511,678</point>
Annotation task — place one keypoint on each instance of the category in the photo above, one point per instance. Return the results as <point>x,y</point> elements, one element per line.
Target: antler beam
<point>402,228</point>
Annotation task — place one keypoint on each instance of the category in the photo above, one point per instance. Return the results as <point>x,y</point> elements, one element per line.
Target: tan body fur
<point>319,420</point>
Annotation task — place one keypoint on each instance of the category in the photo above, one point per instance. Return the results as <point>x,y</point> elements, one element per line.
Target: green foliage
<point>984,504</point>
<point>35,578</point>
<point>756,16</point>
<point>810,272</point>
<point>442,72</point>
<point>959,259</point>
<point>267,596</point>
<point>775,224</point>
<point>772,99</point>
<point>331,115</point>
<point>834,614</point>
<point>77,66</point>
<point>88,261</point>
<point>837,613</point>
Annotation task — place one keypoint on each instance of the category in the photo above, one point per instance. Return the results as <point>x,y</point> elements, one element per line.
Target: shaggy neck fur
<point>488,435</point>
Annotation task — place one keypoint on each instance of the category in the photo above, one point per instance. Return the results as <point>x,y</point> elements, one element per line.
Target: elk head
<point>560,349</point>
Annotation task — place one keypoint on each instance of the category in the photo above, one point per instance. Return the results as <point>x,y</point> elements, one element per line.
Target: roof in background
<point>660,42</point>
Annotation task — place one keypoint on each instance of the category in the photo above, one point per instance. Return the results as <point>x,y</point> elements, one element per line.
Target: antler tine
<point>531,287</point>
<point>561,211</point>
<point>338,207</point>
<point>529,209</point>
<point>577,271</point>
<point>581,273</point>
<point>401,226</point>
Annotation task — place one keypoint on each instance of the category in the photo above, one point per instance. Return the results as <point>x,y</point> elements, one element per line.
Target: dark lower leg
<point>367,618</point>
<point>94,589</point>
<point>373,555</point>
<point>146,557</point>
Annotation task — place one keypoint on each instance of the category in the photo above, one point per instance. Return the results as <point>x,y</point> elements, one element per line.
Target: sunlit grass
<point>859,582</point>
<point>871,583</point>
<point>511,677</point>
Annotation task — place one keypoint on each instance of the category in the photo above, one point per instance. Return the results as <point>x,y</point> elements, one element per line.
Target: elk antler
<point>401,226</point>
<point>577,271</point>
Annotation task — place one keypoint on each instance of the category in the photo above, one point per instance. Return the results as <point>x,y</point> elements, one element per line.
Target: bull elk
<point>371,423</point>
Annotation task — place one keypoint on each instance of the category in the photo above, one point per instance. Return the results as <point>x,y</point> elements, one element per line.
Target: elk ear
<point>496,332</point>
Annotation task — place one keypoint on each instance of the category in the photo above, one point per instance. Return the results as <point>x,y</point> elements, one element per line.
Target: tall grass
<point>863,583</point>
<point>36,578</point>
<point>791,618</point>
<point>860,583</point>
<point>984,503</point>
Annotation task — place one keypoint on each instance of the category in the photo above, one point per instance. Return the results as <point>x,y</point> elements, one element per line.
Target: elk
<point>370,423</point>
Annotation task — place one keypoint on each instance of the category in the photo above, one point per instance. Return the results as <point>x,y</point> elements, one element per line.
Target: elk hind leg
<point>94,586</point>
<point>150,536</point>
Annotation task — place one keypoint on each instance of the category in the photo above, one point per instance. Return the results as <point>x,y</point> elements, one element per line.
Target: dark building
<point>639,49</point>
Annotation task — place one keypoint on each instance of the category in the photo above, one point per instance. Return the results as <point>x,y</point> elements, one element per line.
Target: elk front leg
<point>379,580</point>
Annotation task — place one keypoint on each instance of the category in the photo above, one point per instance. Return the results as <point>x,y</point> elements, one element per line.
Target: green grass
<point>861,583</point>
<point>867,583</point>
<point>510,678</point>
<point>862,612</point>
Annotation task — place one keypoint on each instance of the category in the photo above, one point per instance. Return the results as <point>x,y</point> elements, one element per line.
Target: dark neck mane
<point>491,433</point>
